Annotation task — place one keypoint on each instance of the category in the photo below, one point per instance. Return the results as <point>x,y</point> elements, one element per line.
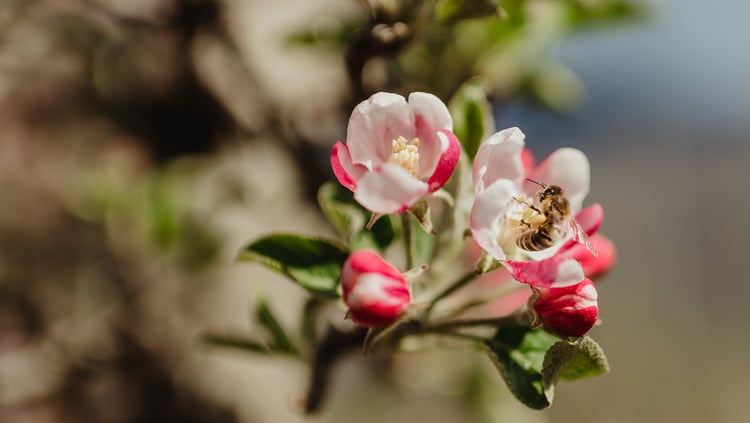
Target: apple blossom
<point>375,291</point>
<point>503,192</point>
<point>396,151</point>
<point>567,311</point>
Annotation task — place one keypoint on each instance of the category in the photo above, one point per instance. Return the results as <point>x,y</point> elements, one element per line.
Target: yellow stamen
<point>406,154</point>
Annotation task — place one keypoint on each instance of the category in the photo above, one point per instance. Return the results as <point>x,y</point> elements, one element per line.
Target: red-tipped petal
<point>554,272</point>
<point>451,150</point>
<point>346,172</point>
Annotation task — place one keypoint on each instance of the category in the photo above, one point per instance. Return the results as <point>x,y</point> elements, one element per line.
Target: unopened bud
<point>568,311</point>
<point>375,291</point>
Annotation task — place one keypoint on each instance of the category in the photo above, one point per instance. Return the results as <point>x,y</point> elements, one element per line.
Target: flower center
<point>518,219</point>
<point>406,154</point>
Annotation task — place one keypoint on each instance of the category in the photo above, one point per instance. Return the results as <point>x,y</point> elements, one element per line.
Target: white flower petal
<point>430,115</point>
<point>486,216</point>
<point>389,189</point>
<point>373,126</point>
<point>569,169</point>
<point>499,157</point>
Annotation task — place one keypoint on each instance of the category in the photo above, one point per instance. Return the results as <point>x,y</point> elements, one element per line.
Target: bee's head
<point>554,195</point>
<point>550,191</point>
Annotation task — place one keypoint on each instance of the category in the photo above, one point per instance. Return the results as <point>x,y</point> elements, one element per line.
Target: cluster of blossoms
<point>399,151</point>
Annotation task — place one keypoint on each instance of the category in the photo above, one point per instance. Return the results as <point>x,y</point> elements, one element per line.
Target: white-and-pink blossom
<point>396,151</point>
<point>503,194</point>
<point>375,291</point>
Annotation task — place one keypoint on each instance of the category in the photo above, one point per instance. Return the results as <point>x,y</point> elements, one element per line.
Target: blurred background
<point>143,143</point>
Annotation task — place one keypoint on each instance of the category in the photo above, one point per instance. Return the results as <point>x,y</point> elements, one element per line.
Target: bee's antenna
<point>538,183</point>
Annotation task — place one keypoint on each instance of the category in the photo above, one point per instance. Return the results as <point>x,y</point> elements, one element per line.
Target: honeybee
<point>551,222</point>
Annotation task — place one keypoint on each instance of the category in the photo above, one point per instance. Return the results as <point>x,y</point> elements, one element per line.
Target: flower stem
<point>331,348</point>
<point>459,335</point>
<point>453,287</point>
<point>509,320</point>
<point>503,291</point>
<point>406,228</point>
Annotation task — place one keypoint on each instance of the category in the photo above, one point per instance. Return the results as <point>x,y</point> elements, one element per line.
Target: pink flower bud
<point>375,291</point>
<point>568,311</point>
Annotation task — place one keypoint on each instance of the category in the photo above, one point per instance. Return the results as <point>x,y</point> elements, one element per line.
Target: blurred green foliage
<point>439,45</point>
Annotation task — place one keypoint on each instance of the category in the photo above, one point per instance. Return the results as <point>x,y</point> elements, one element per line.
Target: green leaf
<point>573,360</point>
<point>349,219</point>
<point>279,341</point>
<point>518,353</point>
<point>314,263</point>
<point>472,116</point>
<point>453,10</point>
<point>236,342</point>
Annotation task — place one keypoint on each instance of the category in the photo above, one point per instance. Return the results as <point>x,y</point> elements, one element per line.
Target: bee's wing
<point>576,233</point>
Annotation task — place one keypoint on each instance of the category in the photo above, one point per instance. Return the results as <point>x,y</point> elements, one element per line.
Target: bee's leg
<point>523,203</point>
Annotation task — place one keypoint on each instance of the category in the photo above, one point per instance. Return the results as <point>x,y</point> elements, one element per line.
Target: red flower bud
<point>568,311</point>
<point>375,291</point>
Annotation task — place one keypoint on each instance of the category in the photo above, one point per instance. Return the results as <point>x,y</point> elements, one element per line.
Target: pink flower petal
<point>430,116</point>
<point>569,169</point>
<point>451,150</point>
<point>554,272</point>
<point>499,157</point>
<point>389,189</point>
<point>373,126</point>
<point>346,172</point>
<point>527,158</point>
<point>590,219</point>
<point>594,266</point>
<point>486,215</point>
